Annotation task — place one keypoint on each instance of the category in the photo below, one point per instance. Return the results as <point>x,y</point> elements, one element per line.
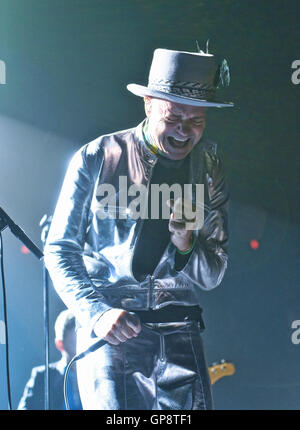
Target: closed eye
<point>171,119</point>
<point>198,122</point>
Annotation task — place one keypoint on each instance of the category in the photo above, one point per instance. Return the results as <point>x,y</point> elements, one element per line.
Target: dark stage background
<point>67,66</point>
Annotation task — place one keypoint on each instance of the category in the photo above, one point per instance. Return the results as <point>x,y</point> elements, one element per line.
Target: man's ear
<point>59,345</point>
<point>148,105</point>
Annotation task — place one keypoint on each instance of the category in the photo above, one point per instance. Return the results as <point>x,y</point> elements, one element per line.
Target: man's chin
<point>179,157</point>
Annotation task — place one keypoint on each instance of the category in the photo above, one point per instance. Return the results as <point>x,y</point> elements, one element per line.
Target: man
<point>65,342</point>
<point>134,279</point>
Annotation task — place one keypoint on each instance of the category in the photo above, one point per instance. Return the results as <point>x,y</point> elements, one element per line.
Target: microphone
<point>96,345</point>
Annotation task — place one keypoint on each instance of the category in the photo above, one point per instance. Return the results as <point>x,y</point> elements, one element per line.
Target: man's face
<point>176,128</point>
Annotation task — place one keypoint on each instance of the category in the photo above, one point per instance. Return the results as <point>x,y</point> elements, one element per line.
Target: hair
<point>64,322</point>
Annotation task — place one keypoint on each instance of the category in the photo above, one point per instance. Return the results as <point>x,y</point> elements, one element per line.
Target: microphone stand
<point>45,225</point>
<point>6,221</point>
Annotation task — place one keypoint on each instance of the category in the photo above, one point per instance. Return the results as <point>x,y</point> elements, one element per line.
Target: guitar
<point>218,370</point>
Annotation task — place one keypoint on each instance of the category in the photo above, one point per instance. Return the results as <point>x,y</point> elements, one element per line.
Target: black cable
<point>96,345</point>
<point>65,383</point>
<point>46,337</point>
<point>5,324</point>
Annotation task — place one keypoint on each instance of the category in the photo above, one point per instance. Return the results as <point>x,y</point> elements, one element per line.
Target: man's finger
<point>119,334</point>
<point>127,331</point>
<point>134,322</point>
<point>177,224</point>
<point>170,203</point>
<point>110,338</point>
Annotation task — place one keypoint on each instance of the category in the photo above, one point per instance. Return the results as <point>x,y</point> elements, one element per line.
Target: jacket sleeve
<point>63,253</point>
<point>208,261</point>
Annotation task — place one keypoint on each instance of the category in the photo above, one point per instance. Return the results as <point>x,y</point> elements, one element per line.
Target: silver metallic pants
<point>163,368</point>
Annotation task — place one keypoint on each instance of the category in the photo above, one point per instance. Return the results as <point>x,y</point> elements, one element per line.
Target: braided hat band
<point>187,89</point>
<point>185,77</point>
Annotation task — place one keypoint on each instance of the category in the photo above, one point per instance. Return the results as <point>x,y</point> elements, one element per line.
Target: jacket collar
<point>142,148</point>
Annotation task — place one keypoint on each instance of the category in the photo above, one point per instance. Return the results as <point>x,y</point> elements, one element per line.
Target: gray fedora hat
<point>190,78</point>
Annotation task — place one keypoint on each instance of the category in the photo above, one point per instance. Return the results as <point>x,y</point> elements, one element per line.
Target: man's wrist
<point>188,250</point>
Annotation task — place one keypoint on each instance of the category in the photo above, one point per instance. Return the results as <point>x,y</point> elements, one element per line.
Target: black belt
<point>172,313</point>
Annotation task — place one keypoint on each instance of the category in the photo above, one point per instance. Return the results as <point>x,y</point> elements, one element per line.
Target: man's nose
<point>183,129</point>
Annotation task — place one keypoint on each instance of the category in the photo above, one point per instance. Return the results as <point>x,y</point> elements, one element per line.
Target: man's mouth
<point>178,143</point>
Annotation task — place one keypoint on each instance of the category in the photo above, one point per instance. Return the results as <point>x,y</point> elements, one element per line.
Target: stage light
<point>254,244</point>
<point>24,250</point>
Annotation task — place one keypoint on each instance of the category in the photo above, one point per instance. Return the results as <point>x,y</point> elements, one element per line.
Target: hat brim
<point>141,91</point>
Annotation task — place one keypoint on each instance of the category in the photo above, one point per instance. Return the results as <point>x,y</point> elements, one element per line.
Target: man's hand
<point>181,235</point>
<point>117,325</point>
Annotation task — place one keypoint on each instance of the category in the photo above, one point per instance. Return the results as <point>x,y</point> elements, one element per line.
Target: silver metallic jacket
<point>90,260</point>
